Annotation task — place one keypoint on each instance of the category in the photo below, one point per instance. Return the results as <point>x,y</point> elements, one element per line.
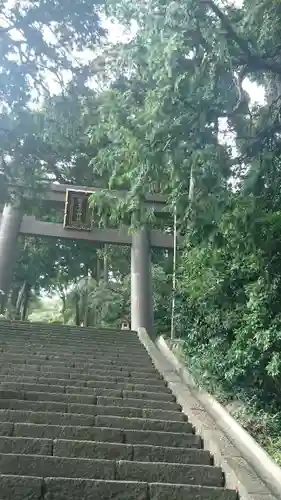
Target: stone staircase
<point>85,415</point>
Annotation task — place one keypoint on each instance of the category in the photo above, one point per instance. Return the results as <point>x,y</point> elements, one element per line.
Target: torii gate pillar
<point>141,282</point>
<point>9,231</point>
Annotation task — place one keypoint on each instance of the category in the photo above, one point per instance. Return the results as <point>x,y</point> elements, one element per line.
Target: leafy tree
<point>40,40</point>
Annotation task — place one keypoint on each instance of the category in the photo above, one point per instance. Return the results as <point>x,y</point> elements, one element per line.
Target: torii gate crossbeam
<point>14,222</point>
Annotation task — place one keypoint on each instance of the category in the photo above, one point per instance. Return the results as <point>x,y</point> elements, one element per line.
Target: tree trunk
<point>105,265</point>
<point>20,299</point>
<point>77,310</point>
<point>85,308</point>
<point>191,184</point>
<point>63,307</point>
<point>25,302</point>
<point>98,270</point>
<point>10,310</point>
<point>86,318</point>
<point>14,294</point>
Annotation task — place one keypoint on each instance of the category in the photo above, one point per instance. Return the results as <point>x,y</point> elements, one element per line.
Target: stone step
<point>57,331</point>
<point>91,400</point>
<point>39,351</point>
<point>162,397</point>
<point>80,348</point>
<point>53,418</point>
<point>80,356</point>
<point>142,424</point>
<point>68,345</point>
<point>78,342</point>
<point>108,349</point>
<point>102,434</point>
<point>48,396</point>
<point>84,383</point>
<point>31,324</point>
<point>138,402</point>
<point>22,487</point>
<point>99,420</point>
<point>62,330</point>
<point>157,491</point>
<point>148,371</point>
<point>123,470</point>
<point>84,409</point>
<point>77,346</point>
<point>49,339</point>
<point>119,377</point>
<point>42,355</point>
<point>72,361</point>
<point>38,334</point>
<point>54,360</point>
<point>24,445</point>
<point>49,368</point>
<point>103,450</point>
<point>138,452</point>
<point>18,387</point>
<point>66,398</point>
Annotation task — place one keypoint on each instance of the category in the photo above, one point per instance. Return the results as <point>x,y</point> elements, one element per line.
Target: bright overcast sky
<point>116,33</point>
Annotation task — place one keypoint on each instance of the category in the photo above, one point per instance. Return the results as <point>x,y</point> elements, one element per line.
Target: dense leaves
<point>179,82</point>
<point>41,47</point>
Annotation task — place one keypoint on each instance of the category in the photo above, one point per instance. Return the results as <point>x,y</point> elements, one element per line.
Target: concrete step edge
<point>71,489</point>
<point>89,377</point>
<point>43,465</point>
<point>91,371</point>
<point>90,420</point>
<point>102,433</point>
<point>161,397</point>
<point>107,384</point>
<point>93,410</point>
<point>95,397</point>
<point>19,338</point>
<point>101,449</point>
<point>109,360</point>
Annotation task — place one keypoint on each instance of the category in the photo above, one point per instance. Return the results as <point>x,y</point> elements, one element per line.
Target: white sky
<point>256,92</point>
<point>116,33</point>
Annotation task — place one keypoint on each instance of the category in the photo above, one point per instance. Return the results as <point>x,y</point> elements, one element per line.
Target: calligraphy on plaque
<point>77,214</point>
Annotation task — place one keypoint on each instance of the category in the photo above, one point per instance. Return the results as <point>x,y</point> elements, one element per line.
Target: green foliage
<point>91,303</point>
<point>46,311</point>
<point>41,41</point>
<point>98,304</point>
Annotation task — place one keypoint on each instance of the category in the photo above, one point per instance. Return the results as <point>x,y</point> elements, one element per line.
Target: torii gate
<point>78,225</point>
